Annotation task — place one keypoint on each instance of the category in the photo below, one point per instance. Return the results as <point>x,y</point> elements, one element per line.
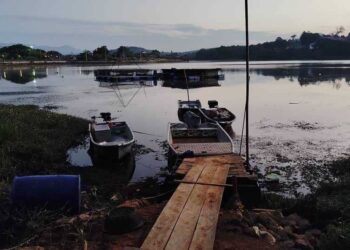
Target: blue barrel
<point>50,191</point>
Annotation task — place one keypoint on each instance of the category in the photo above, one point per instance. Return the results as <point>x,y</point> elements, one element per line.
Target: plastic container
<point>49,191</point>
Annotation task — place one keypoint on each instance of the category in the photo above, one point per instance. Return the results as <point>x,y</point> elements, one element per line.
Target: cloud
<point>90,34</point>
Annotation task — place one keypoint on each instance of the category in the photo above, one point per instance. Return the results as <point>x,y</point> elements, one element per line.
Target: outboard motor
<point>106,116</point>
<point>213,104</point>
<point>192,120</point>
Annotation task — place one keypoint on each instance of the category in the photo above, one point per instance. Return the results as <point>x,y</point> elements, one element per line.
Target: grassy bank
<point>35,141</point>
<point>328,208</point>
<point>32,141</point>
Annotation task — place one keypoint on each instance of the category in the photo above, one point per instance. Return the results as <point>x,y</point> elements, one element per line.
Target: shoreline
<point>85,63</point>
<point>318,63</point>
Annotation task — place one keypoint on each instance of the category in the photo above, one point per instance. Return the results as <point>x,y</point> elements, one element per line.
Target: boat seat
<point>203,132</point>
<point>102,132</point>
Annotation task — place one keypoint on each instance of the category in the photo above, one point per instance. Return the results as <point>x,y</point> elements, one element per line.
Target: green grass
<point>34,141</point>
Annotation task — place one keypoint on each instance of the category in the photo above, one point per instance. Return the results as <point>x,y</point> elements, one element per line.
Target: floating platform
<point>125,75</point>
<point>174,78</point>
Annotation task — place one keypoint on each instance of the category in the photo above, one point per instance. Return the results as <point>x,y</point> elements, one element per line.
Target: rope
<point>143,133</point>
<point>240,146</point>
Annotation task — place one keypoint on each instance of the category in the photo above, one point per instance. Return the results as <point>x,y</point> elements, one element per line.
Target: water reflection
<point>306,75</point>
<point>124,168</point>
<point>118,90</point>
<point>86,72</point>
<point>180,84</point>
<point>81,156</point>
<point>303,74</point>
<point>24,75</point>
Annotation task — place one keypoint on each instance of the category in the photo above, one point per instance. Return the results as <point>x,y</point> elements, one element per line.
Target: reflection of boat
<point>214,114</point>
<point>204,139</point>
<point>109,139</point>
<point>123,170</point>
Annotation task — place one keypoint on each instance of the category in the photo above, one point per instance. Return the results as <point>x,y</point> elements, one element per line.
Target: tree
<point>101,53</point>
<point>86,55</point>
<point>340,30</point>
<point>155,53</point>
<point>293,37</point>
<point>54,55</point>
<point>280,43</point>
<point>123,52</point>
<point>307,38</point>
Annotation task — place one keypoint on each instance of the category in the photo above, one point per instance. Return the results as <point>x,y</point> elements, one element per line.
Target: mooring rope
<point>241,142</point>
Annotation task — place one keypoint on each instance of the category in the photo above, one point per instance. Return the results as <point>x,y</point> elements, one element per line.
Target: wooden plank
<point>204,236</point>
<point>181,236</point>
<point>235,162</point>
<point>204,183</point>
<point>163,227</point>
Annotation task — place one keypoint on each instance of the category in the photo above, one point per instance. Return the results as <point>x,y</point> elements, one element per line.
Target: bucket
<point>49,191</point>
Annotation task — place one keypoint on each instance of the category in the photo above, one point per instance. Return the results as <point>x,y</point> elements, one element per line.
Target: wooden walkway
<point>233,161</point>
<point>189,219</point>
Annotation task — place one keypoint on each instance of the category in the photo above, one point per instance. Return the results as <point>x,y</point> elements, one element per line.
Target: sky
<point>177,25</point>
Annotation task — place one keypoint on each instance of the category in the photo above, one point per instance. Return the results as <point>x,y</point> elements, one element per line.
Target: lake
<point>299,111</point>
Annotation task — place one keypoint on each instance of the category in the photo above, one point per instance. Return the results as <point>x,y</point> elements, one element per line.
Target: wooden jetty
<point>189,219</point>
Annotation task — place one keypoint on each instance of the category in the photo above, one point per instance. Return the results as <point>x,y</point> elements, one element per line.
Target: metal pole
<point>188,92</point>
<point>247,80</point>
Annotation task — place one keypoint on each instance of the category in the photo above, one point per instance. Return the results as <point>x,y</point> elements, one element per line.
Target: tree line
<point>21,52</point>
<point>310,46</point>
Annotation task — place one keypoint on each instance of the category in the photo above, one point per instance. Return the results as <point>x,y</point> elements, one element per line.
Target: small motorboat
<point>213,114</point>
<point>198,139</point>
<point>109,139</point>
<point>184,106</point>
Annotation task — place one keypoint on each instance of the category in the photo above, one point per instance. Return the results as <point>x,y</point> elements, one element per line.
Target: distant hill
<point>22,52</point>
<point>132,49</point>
<point>138,50</point>
<point>64,50</point>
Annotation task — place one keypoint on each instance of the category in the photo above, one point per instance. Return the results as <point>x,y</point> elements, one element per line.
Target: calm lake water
<point>300,112</point>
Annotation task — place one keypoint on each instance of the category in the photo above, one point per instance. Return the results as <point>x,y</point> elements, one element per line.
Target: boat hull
<point>102,155</point>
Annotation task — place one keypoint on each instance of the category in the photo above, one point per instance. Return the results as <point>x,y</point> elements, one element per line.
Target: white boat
<point>110,139</point>
<point>206,139</point>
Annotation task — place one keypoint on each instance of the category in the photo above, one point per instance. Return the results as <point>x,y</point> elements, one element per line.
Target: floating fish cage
<point>126,75</point>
